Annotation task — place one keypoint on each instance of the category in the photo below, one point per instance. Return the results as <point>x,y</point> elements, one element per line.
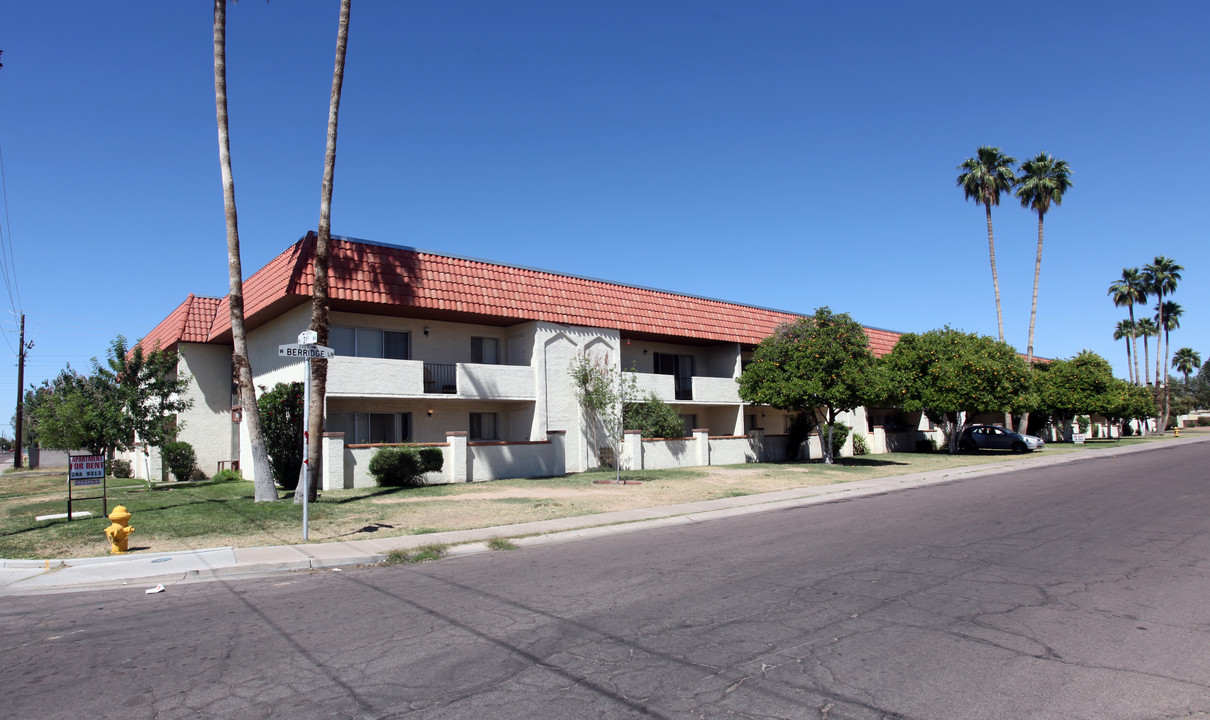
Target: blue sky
<point>781,154</point>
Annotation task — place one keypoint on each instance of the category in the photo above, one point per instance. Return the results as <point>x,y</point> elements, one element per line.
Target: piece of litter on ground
<point>154,590</point>
<point>336,570</point>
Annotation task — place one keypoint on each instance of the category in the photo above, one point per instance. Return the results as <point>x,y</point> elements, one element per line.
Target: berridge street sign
<point>304,352</point>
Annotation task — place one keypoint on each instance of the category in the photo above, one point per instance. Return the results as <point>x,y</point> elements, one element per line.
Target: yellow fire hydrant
<point>120,530</point>
<point>1176,432</point>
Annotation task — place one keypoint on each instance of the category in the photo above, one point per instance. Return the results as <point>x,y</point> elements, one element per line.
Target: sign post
<point>87,471</point>
<point>305,350</point>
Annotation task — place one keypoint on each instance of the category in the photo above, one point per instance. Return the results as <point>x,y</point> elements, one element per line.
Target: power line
<point>7,258</point>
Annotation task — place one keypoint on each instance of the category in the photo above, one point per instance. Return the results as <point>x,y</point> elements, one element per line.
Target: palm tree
<point>985,178</point>
<point>1186,360</point>
<point>1171,313</point>
<point>1146,328</point>
<point>1161,277</point>
<point>1125,331</point>
<point>319,291</point>
<point>265,488</point>
<point>1129,291</point>
<point>1043,181</point>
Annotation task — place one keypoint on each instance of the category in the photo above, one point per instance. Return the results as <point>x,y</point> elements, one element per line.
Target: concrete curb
<point>20,577</point>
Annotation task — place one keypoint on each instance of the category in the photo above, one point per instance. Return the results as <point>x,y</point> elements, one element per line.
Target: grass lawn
<point>182,516</point>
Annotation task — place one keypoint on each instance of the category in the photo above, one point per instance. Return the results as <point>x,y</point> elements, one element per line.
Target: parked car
<point>994,437</point>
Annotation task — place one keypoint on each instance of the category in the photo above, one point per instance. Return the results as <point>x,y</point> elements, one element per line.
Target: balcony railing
<point>440,378</point>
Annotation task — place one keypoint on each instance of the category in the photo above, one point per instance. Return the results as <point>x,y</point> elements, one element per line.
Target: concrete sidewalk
<point>23,577</point>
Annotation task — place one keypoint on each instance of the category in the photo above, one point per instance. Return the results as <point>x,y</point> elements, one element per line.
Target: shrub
<point>840,433</point>
<point>431,459</point>
<point>180,459</point>
<point>859,445</point>
<point>120,468</point>
<point>1083,421</point>
<point>223,476</point>
<point>1203,421</point>
<point>653,417</point>
<point>281,416</point>
<point>1127,431</point>
<point>404,466</point>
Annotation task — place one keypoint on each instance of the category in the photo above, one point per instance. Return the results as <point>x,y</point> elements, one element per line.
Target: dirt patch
<point>540,493</point>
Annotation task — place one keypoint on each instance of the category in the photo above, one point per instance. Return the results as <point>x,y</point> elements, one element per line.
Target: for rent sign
<point>86,469</point>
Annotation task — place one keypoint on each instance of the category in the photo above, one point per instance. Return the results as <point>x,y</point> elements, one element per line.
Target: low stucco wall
<point>732,450</point>
<point>662,454</point>
<point>492,461</point>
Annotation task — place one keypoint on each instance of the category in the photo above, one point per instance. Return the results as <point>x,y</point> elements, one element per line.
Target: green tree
<point>1185,361</point>
<point>1125,401</point>
<point>820,364</point>
<point>319,289</point>
<point>601,391</point>
<point>1127,292</point>
<point>281,410</point>
<point>1043,182</point>
<point>951,375</point>
<point>985,178</point>
<point>1080,385</point>
<point>133,397</point>
<point>1125,331</point>
<point>653,418</point>
<point>265,489</point>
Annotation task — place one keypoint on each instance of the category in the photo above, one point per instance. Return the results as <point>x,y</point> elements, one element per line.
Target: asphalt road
<point>1077,591</point>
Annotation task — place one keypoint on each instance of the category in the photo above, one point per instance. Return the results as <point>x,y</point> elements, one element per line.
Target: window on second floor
<point>369,342</point>
<point>485,350</point>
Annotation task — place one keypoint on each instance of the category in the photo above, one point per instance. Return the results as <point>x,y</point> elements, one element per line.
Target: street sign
<point>308,337</point>
<point>305,352</point>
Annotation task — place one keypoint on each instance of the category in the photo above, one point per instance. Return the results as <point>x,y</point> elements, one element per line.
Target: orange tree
<point>951,375</point>
<point>820,365</point>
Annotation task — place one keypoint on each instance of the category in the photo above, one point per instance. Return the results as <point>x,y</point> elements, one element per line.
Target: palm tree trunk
<point>1033,314</point>
<point>1134,339</point>
<point>991,252</point>
<point>1167,397</point>
<point>1129,372</point>
<point>1146,362</point>
<point>1159,306</point>
<point>319,294</point>
<point>262,473</point>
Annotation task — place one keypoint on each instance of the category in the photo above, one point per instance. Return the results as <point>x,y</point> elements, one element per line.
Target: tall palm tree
<point>1186,360</point>
<point>1146,328</point>
<point>319,291</point>
<point>1125,331</point>
<point>1171,313</point>
<point>1043,181</point>
<point>1161,277</point>
<point>265,488</point>
<point>985,178</point>
<point>1162,274</point>
<point>1129,291</point>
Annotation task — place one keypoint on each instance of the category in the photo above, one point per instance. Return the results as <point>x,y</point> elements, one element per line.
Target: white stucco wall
<point>731,451</point>
<point>661,454</point>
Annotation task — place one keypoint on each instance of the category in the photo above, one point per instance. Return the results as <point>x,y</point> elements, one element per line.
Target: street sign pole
<point>306,443</point>
<point>306,349</point>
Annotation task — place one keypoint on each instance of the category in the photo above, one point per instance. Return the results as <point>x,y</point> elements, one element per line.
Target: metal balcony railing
<point>440,378</point>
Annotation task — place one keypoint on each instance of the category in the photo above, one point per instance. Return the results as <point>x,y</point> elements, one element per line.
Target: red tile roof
<point>189,322</point>
<point>385,279</point>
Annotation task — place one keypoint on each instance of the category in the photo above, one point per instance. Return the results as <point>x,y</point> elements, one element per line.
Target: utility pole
<point>20,395</point>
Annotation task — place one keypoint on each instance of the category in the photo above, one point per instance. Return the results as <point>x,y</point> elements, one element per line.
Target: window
<point>689,422</point>
<point>680,367</point>
<point>750,423</point>
<point>369,342</point>
<point>483,426</point>
<point>485,350</point>
<point>364,428</point>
